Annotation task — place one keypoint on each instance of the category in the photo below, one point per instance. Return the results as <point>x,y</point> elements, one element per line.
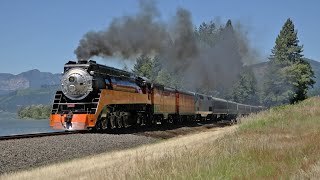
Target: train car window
<point>118,81</point>
<point>220,104</point>
<point>241,107</point>
<point>232,105</point>
<point>201,97</point>
<point>210,108</point>
<point>125,82</point>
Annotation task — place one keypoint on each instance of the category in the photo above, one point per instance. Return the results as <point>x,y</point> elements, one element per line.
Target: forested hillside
<point>261,68</point>
<point>24,97</point>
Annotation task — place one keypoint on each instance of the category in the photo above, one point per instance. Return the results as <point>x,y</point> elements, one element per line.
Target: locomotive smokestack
<point>82,60</point>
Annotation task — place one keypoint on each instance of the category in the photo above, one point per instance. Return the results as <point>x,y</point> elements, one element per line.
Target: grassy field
<point>281,143</point>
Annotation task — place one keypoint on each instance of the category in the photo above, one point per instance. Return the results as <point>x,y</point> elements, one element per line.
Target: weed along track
<point>23,152</point>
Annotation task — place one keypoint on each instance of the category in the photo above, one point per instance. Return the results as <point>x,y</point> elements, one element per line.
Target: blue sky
<point>37,34</point>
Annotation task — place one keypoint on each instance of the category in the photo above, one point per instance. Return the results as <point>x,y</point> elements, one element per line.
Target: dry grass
<point>312,173</point>
<point>170,133</point>
<point>124,164</point>
<point>281,143</point>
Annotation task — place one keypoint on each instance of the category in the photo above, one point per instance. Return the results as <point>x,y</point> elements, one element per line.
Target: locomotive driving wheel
<point>104,124</point>
<point>125,120</point>
<point>112,121</point>
<point>119,121</point>
<point>170,119</point>
<point>103,119</point>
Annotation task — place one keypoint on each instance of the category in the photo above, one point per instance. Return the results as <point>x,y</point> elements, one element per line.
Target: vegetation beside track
<point>35,112</point>
<point>280,143</point>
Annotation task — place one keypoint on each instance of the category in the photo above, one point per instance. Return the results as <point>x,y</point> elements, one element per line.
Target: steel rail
<point>34,135</point>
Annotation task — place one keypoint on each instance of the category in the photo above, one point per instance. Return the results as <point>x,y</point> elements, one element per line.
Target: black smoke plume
<point>126,36</point>
<point>210,66</point>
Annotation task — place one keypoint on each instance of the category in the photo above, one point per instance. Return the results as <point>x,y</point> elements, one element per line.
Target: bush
<point>35,112</point>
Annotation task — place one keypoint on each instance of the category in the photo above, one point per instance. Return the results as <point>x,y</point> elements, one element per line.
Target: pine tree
<point>207,33</point>
<point>147,67</point>
<point>245,89</point>
<point>143,66</point>
<point>289,76</point>
<point>156,68</point>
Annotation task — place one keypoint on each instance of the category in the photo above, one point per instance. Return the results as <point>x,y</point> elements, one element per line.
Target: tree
<point>171,79</point>
<point>143,66</point>
<point>147,67</point>
<point>245,89</point>
<point>300,76</point>
<point>35,111</point>
<point>207,33</point>
<point>289,76</point>
<point>156,68</point>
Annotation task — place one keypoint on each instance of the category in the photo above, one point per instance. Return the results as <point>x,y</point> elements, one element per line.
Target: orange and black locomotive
<point>95,96</point>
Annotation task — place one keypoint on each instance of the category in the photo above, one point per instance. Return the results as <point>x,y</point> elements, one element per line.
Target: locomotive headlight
<point>76,83</point>
<point>71,79</point>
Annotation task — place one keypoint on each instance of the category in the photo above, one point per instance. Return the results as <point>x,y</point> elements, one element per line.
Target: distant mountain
<point>29,79</point>
<point>261,68</point>
<point>13,101</point>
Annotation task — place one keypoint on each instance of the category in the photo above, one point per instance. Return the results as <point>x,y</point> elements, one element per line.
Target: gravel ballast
<point>33,152</point>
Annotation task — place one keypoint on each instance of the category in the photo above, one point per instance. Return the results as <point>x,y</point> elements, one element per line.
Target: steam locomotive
<point>94,96</point>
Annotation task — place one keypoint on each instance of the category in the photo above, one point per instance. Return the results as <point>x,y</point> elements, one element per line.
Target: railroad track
<point>116,131</point>
<point>33,135</point>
